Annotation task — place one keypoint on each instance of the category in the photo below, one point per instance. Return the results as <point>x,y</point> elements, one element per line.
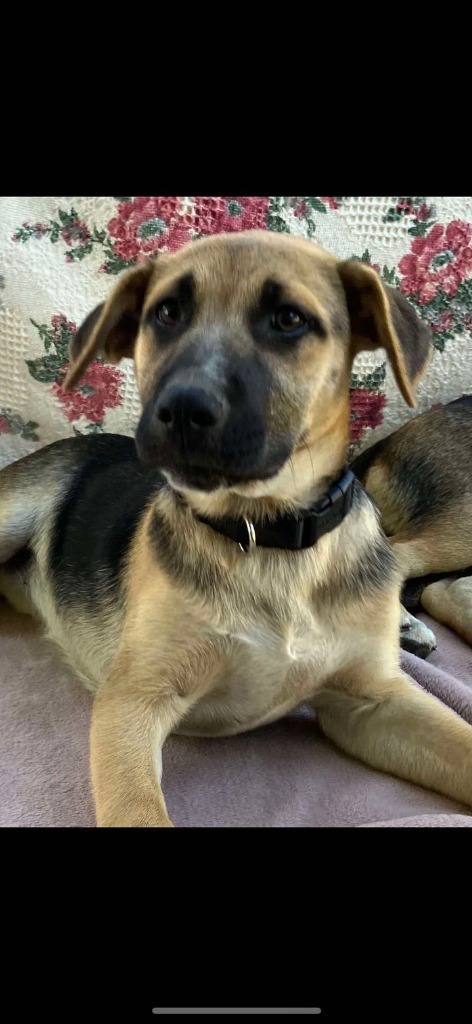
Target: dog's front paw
<point>415,637</point>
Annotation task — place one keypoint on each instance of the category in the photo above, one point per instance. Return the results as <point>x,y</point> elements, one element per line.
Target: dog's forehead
<point>236,267</point>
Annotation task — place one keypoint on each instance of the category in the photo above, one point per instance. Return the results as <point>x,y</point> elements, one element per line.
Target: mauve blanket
<point>283,775</point>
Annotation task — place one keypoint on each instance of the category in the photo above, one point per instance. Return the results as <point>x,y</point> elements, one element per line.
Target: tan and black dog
<point>227,567</point>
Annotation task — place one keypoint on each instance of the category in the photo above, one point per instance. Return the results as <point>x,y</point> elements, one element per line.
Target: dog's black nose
<point>189,409</point>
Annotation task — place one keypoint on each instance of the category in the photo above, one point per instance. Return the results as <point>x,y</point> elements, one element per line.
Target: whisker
<point>292,467</point>
<point>311,460</point>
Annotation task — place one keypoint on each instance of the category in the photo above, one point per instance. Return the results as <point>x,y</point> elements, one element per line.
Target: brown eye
<point>288,320</point>
<point>169,313</point>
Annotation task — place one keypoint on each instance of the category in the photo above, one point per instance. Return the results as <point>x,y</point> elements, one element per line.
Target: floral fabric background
<point>59,257</point>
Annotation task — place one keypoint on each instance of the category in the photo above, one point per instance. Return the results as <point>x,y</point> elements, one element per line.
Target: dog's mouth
<point>224,473</point>
<point>185,476</point>
<point>198,478</point>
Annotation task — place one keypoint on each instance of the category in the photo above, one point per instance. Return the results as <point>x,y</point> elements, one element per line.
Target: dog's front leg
<point>128,730</point>
<point>400,729</point>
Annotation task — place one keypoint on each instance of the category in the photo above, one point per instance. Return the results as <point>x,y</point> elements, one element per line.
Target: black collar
<point>292,532</point>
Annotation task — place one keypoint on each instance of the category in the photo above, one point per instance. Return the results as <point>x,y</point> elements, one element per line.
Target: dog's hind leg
<point>14,583</point>
<point>444,545</point>
<point>441,547</point>
<point>20,508</point>
<point>17,519</point>
<point>29,490</point>
<point>22,503</point>
<point>450,602</point>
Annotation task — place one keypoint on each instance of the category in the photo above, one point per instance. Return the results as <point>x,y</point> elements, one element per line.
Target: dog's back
<point>421,479</point>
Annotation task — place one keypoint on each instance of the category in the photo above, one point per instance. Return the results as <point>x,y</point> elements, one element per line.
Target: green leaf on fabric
<point>315,203</point>
<point>420,228</point>
<point>114,264</point>
<point>388,275</point>
<point>43,373</point>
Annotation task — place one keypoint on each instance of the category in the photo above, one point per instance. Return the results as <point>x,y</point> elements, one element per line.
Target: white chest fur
<point>269,669</point>
<point>301,641</point>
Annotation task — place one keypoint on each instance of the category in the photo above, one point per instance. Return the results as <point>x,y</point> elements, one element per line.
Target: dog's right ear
<point>111,328</point>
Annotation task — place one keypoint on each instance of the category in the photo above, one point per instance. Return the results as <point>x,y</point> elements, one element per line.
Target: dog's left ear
<point>383,318</point>
<point>111,328</point>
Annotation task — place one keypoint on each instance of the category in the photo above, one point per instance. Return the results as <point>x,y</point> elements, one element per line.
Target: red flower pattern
<point>444,322</point>
<point>151,223</point>
<point>99,388</point>
<point>98,391</point>
<point>75,233</point>
<point>423,212</point>
<point>146,225</point>
<point>366,411</point>
<point>4,426</point>
<point>438,262</point>
<point>214,214</point>
<point>59,320</point>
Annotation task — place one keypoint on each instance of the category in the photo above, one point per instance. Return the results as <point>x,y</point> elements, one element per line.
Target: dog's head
<point>243,346</point>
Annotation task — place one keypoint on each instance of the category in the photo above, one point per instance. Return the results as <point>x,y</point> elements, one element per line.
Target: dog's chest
<point>273,652</point>
<point>277,630</point>
<point>301,640</point>
<point>282,642</point>
<point>270,668</point>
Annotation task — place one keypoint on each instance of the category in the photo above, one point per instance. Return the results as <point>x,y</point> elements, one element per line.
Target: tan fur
<point>450,602</point>
<point>378,482</point>
<point>437,547</point>
<point>270,633</point>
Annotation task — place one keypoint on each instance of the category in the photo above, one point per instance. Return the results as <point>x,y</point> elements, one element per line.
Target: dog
<point>226,566</point>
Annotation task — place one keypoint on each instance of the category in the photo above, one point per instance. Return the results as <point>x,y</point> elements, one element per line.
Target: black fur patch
<point>97,518</point>
<point>19,561</point>
<point>465,400</point>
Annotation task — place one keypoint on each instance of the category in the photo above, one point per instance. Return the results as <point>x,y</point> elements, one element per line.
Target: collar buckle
<point>333,508</point>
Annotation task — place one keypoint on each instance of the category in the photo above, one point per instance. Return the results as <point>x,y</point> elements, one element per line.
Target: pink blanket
<point>282,775</point>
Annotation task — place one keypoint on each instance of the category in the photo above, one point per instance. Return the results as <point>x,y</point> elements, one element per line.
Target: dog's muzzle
<point>194,434</point>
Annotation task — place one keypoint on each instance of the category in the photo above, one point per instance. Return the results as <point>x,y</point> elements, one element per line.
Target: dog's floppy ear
<point>111,328</point>
<point>383,318</point>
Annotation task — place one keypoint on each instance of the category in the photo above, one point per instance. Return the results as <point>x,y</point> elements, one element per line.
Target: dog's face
<point>243,346</point>
<point>241,354</point>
